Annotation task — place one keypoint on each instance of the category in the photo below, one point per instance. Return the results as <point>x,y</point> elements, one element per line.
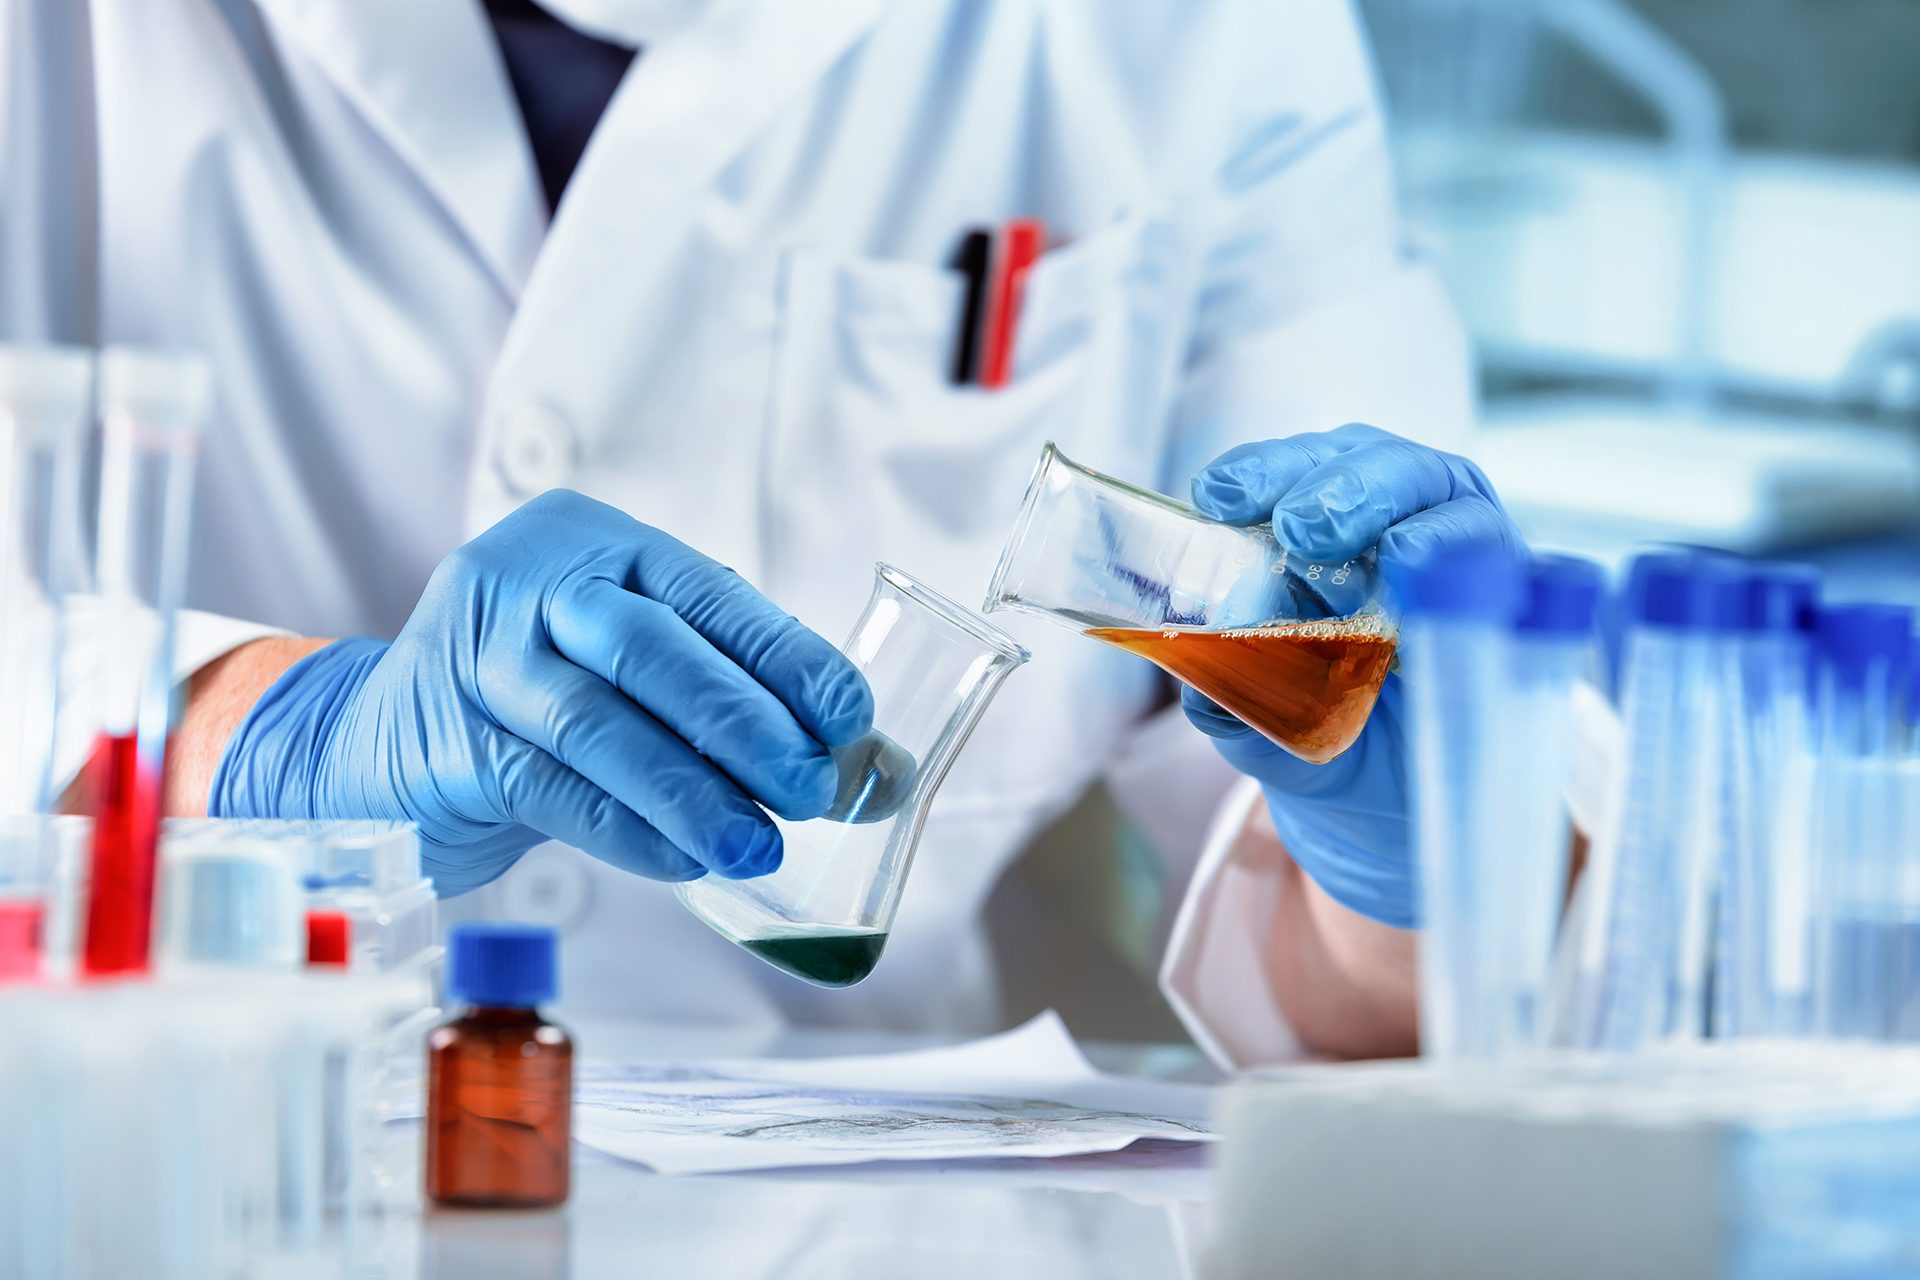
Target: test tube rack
<point>1750,1161</point>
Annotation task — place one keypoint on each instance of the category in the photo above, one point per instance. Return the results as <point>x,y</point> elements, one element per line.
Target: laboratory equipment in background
<point>361,880</point>
<point>151,408</point>
<point>369,872</point>
<point>500,1076</point>
<point>1492,647</point>
<point>1696,1162</point>
<point>1296,649</point>
<point>824,915</point>
<point>1681,338</point>
<point>220,1115</point>
<point>185,1128</point>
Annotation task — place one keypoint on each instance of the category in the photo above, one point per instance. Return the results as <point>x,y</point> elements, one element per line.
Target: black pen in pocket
<point>972,260</point>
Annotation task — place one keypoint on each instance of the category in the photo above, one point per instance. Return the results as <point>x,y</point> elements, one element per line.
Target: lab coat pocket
<point>875,455</point>
<point>919,469</point>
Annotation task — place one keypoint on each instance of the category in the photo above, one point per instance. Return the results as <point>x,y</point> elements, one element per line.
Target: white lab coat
<point>737,327</point>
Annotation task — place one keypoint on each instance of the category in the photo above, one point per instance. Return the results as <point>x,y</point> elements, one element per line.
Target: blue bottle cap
<point>1482,581</point>
<point>1562,596</point>
<point>1686,590</point>
<point>502,965</point>
<point>1851,640</point>
<point>1780,597</point>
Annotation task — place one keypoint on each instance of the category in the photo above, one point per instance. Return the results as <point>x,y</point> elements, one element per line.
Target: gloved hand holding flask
<point>1331,496</point>
<point>569,674</point>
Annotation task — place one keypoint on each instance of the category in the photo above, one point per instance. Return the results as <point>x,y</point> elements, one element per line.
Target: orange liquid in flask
<point>1308,687</point>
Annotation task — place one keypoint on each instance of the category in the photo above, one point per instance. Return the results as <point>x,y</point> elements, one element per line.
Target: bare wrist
<point>218,697</point>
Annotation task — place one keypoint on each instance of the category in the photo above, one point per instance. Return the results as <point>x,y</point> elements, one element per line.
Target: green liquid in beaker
<point>824,959</point>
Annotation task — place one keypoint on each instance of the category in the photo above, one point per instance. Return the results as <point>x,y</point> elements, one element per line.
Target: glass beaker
<point>824,915</point>
<point>1297,649</point>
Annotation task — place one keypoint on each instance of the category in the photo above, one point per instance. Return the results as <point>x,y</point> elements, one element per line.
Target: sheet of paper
<point>1027,1092</point>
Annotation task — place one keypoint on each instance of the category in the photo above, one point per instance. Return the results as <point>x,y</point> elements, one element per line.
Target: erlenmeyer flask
<point>1297,649</point>
<point>825,914</point>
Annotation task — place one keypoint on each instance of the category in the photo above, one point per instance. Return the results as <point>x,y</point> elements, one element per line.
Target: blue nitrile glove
<point>1331,496</point>
<point>570,673</point>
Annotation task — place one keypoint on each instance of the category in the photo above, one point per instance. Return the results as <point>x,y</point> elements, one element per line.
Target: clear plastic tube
<point>1454,668</point>
<point>1761,974</point>
<point>151,410</point>
<point>1492,649</point>
<point>1862,928</point>
<point>1552,648</point>
<point>1642,969</point>
<point>44,394</point>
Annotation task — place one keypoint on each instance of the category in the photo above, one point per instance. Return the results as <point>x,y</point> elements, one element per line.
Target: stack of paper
<point>1028,1092</point>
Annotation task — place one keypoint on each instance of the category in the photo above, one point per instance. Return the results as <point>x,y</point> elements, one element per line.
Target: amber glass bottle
<point>500,1076</point>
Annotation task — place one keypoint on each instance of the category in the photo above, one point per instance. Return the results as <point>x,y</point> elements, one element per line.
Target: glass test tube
<point>1761,971</point>
<point>1862,925</point>
<point>151,408</point>
<point>1642,970</point>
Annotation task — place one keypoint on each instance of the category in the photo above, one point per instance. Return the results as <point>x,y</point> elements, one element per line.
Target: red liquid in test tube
<point>125,790</point>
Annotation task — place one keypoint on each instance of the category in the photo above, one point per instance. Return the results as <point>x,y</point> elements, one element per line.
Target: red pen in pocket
<point>1019,244</point>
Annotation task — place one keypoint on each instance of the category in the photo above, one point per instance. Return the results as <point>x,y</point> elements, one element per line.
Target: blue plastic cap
<point>1852,639</point>
<point>1780,597</point>
<point>1913,682</point>
<point>502,965</point>
<point>1480,581</point>
<point>1562,596</point>
<point>1687,591</point>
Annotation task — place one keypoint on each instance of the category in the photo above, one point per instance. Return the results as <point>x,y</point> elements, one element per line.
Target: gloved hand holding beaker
<point>1332,495</point>
<point>571,673</point>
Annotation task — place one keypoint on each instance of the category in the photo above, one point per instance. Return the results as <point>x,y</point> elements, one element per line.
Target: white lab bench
<point>1135,1214</point>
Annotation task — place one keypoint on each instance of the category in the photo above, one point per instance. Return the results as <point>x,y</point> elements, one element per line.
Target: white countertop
<point>1136,1213</point>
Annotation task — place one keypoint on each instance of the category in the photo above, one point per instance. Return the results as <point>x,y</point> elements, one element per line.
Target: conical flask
<point>825,914</point>
<point>1296,648</point>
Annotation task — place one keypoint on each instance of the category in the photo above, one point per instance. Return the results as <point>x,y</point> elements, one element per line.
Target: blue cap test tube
<point>1491,645</point>
<point>1861,911</point>
<point>1456,611</point>
<point>1552,650</point>
<point>1760,972</point>
<point>1641,972</point>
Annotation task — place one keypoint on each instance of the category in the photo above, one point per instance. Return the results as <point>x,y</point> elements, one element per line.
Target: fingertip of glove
<point>843,707</point>
<point>1221,494</point>
<point>749,850</point>
<point>1209,717</point>
<point>808,788</point>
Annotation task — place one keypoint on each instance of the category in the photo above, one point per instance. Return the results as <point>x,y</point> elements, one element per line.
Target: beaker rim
<point>961,618</point>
